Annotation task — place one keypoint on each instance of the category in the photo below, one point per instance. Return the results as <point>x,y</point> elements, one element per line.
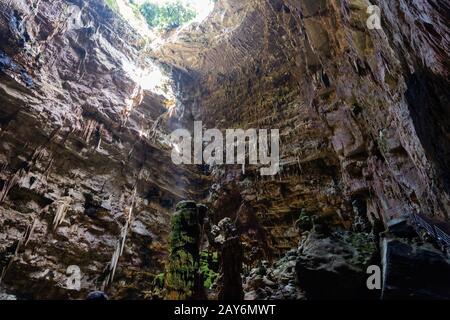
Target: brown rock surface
<point>72,144</point>
<point>362,113</point>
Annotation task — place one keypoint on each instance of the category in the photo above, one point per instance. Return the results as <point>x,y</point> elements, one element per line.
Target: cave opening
<point>158,18</point>
<point>158,23</point>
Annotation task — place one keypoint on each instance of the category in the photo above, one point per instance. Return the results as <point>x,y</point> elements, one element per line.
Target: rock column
<point>230,281</point>
<point>182,279</point>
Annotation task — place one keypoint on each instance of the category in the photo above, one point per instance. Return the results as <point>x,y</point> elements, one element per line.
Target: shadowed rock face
<point>334,267</point>
<point>428,278</point>
<point>363,116</point>
<point>72,144</point>
<point>361,112</point>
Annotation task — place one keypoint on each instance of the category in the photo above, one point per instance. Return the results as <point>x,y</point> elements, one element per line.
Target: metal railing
<point>443,237</point>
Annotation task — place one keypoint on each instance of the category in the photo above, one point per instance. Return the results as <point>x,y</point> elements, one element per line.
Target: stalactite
<point>63,205</point>
<point>29,231</point>
<point>91,126</point>
<point>61,26</point>
<point>38,154</point>
<point>111,268</point>
<point>99,144</point>
<point>23,241</point>
<point>82,65</point>
<point>101,132</point>
<point>10,183</point>
<point>136,98</point>
<point>49,166</point>
<point>153,132</point>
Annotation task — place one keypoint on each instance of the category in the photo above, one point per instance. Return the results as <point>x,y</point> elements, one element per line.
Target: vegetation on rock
<point>305,221</point>
<point>182,276</point>
<point>209,262</point>
<point>113,5</point>
<point>166,16</point>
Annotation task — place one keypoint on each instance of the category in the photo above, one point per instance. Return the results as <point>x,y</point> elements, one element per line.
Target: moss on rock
<point>182,276</point>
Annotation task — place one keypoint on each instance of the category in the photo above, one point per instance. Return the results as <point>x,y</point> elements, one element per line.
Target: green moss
<point>184,256</point>
<point>305,221</point>
<point>209,267</point>
<point>158,281</point>
<point>185,228</point>
<point>364,246</point>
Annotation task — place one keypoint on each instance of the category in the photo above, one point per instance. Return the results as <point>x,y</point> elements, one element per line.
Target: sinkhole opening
<point>157,22</point>
<point>160,16</point>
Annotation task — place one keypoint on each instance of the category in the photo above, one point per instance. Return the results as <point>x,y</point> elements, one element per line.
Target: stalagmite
<point>231,259</point>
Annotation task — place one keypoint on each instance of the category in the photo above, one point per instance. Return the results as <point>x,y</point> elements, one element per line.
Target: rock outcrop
<point>334,267</point>
<point>276,282</point>
<point>413,268</point>
<point>324,266</point>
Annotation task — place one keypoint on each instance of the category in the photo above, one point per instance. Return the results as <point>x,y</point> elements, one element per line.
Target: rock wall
<point>84,180</point>
<point>362,113</point>
<point>85,172</point>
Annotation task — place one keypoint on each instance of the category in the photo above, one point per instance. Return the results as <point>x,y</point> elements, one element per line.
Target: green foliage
<point>364,246</point>
<point>112,4</point>
<point>166,16</point>
<point>183,261</point>
<point>180,275</point>
<point>158,281</point>
<point>305,221</point>
<point>185,230</point>
<point>209,264</point>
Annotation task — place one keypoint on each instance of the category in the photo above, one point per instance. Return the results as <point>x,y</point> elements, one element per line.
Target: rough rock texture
<point>86,177</point>
<point>362,113</point>
<point>277,282</point>
<point>227,239</point>
<point>324,266</point>
<point>182,278</point>
<point>414,270</point>
<point>334,267</point>
<point>77,167</point>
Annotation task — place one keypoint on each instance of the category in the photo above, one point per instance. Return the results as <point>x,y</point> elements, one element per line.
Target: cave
<point>92,93</point>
